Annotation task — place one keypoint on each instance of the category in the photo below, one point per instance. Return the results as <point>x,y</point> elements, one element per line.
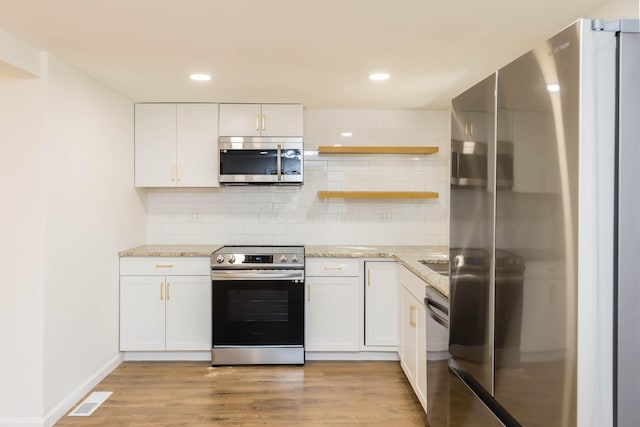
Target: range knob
<point>220,259</point>
<point>283,258</point>
<point>295,258</point>
<point>231,259</point>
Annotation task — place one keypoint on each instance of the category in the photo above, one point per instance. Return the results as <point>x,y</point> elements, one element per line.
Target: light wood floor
<point>195,394</point>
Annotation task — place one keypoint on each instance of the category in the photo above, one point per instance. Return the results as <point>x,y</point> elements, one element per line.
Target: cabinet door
<point>381,304</point>
<point>188,302</point>
<point>413,355</point>
<point>142,317</point>
<point>155,145</point>
<point>331,314</point>
<point>281,120</point>
<point>409,333</point>
<point>197,145</point>
<point>240,119</point>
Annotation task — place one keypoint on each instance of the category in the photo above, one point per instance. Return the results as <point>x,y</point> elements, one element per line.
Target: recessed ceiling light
<point>346,133</point>
<point>379,76</point>
<point>200,77</point>
<point>553,87</point>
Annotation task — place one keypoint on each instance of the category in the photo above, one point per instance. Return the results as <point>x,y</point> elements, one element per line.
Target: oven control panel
<point>258,257</point>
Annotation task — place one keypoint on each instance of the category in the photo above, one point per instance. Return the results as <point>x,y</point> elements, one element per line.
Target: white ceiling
<point>317,52</point>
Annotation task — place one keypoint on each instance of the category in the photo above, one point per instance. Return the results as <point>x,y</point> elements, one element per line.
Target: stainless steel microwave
<point>261,160</point>
<point>469,164</point>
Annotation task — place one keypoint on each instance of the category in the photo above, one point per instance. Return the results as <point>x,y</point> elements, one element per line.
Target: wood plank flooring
<point>316,394</point>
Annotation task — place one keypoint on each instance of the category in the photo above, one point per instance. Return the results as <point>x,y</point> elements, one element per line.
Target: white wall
<point>618,9</point>
<point>295,215</point>
<point>22,112</point>
<point>92,212</point>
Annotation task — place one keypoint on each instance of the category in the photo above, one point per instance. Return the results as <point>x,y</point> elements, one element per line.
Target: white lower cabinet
<point>332,314</point>
<point>332,305</point>
<point>381,304</point>
<point>165,312</point>
<point>412,331</point>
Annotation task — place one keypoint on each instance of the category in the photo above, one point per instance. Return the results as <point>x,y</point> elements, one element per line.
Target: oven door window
<point>247,313</point>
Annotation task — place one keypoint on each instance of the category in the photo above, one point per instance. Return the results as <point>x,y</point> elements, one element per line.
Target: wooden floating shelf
<point>329,149</point>
<point>378,195</point>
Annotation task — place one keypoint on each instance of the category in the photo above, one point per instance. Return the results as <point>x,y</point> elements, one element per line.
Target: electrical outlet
<point>195,215</point>
<point>383,214</point>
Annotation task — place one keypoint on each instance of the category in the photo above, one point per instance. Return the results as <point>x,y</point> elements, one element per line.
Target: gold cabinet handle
<point>257,122</point>
<point>368,277</point>
<point>173,173</point>
<point>179,173</point>
<point>412,320</point>
<point>471,128</point>
<point>164,265</point>
<point>263,122</point>
<point>168,291</point>
<point>308,292</point>
<point>161,286</point>
<point>335,267</point>
<point>466,128</point>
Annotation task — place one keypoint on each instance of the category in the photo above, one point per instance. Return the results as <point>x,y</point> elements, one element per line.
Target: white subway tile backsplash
<point>295,215</point>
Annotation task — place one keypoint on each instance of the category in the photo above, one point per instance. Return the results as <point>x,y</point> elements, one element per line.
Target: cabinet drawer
<point>169,266</point>
<point>332,267</point>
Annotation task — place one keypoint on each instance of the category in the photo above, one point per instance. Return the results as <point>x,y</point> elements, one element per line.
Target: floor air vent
<point>90,404</point>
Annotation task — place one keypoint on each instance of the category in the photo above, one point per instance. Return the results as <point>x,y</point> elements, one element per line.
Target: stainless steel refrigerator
<point>544,328</point>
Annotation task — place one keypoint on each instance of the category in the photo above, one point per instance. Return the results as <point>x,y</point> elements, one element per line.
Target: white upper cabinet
<point>282,120</point>
<point>197,145</point>
<point>155,145</point>
<point>261,120</point>
<point>176,145</point>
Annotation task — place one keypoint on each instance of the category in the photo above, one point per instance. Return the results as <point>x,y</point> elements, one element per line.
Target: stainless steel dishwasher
<point>437,357</point>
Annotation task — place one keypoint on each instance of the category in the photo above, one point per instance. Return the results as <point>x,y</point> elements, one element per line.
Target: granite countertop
<point>406,255</point>
<point>171,250</point>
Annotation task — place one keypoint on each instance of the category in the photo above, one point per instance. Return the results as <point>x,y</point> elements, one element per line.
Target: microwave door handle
<point>279,162</point>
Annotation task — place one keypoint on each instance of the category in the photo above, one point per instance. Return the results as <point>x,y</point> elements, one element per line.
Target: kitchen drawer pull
<point>168,291</point>
<point>368,277</point>
<point>412,320</point>
<point>164,265</point>
<point>263,122</point>
<point>333,267</point>
<point>161,295</point>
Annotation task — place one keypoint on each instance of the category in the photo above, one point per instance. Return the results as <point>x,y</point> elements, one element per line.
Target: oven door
<point>254,308</point>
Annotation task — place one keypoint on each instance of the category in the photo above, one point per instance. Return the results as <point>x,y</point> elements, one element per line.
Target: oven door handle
<point>257,275</point>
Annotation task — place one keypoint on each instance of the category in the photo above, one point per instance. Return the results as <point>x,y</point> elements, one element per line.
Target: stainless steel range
<point>258,305</point>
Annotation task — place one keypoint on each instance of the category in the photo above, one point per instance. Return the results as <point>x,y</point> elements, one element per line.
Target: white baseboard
<point>68,402</point>
<point>156,356</point>
<point>356,355</point>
